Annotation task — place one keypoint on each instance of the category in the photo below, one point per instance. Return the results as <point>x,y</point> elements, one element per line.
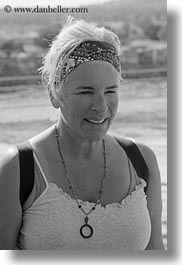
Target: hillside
<point>137,12</point>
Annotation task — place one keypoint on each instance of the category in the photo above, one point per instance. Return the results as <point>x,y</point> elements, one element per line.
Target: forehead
<point>92,73</point>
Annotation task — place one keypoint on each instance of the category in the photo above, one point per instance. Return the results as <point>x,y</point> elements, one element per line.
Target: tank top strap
<point>134,179</point>
<point>40,168</point>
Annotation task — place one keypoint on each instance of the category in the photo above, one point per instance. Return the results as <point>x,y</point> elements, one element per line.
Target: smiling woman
<point>74,186</point>
<point>92,101</point>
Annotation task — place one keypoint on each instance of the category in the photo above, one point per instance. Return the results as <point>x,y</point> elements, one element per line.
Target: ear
<point>53,100</point>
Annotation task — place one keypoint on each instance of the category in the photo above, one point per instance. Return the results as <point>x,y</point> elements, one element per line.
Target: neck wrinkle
<point>77,149</point>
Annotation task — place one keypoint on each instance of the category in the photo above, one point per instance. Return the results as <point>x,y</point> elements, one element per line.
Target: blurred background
<point>142,28</point>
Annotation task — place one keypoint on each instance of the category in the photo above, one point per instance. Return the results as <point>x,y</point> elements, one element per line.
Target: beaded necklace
<point>86,227</point>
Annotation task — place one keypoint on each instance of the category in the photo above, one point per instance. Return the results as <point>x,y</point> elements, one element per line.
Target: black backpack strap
<point>26,161</point>
<point>135,157</point>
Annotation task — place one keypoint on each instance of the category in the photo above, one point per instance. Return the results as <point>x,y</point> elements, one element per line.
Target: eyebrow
<point>110,87</point>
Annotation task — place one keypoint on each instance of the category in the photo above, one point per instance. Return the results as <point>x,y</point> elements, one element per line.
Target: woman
<point>86,192</point>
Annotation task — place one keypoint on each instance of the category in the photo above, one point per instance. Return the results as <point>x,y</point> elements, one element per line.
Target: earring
<point>55,103</point>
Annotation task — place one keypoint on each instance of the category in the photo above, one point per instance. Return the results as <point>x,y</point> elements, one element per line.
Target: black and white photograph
<point>83,125</point>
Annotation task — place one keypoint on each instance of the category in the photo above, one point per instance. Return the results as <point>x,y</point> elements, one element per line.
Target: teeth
<point>97,122</point>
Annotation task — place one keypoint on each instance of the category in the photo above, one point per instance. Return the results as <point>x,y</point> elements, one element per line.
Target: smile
<point>96,122</point>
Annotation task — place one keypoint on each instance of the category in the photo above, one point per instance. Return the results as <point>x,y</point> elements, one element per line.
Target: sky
<point>52,3</point>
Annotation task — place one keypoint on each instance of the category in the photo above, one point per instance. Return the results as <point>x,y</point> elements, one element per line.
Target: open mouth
<point>97,122</point>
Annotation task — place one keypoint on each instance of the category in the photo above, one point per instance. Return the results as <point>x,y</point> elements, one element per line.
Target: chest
<point>89,179</point>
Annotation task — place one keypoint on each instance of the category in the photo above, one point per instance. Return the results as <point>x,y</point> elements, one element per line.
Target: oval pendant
<point>86,231</point>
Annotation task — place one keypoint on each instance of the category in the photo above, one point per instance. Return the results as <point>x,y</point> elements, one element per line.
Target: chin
<point>93,134</point>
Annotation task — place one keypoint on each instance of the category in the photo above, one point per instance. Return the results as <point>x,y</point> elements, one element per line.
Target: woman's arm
<point>10,208</point>
<point>154,200</point>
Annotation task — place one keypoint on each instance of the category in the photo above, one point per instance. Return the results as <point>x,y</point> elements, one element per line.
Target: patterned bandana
<point>85,52</point>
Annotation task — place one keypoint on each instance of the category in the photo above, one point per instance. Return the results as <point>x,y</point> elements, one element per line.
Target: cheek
<point>113,103</point>
<point>79,104</point>
<point>76,108</point>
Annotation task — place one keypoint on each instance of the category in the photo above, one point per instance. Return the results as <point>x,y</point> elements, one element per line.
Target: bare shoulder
<point>9,171</point>
<point>154,199</point>
<point>43,141</point>
<point>10,160</point>
<point>154,181</point>
<point>43,135</point>
<point>10,207</point>
<point>148,154</point>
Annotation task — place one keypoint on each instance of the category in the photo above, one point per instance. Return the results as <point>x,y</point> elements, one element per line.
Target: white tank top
<point>54,221</point>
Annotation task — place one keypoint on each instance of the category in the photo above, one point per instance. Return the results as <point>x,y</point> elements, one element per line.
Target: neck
<point>74,147</point>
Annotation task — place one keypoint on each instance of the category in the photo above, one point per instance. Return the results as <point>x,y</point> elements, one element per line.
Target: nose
<point>99,104</point>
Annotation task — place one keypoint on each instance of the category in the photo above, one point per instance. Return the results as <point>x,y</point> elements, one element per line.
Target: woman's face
<point>89,100</point>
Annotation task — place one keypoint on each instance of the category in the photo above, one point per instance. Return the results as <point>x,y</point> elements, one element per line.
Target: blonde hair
<point>72,34</point>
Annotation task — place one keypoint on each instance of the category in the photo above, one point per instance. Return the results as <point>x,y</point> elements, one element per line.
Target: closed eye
<point>85,92</point>
<point>110,91</point>
<point>90,92</point>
